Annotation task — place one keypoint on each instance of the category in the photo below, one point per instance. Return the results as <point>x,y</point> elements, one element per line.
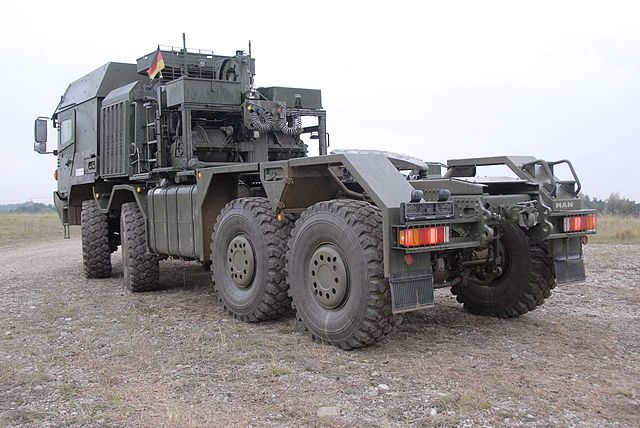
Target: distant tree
<point>614,205</point>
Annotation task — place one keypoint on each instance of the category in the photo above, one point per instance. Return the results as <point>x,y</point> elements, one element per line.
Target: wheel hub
<point>241,260</point>
<point>497,261</point>
<point>328,276</point>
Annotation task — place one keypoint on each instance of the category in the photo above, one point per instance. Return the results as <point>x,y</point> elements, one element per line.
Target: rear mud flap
<point>570,271</point>
<point>410,292</point>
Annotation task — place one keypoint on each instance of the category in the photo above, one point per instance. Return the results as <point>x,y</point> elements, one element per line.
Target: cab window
<point>66,132</point>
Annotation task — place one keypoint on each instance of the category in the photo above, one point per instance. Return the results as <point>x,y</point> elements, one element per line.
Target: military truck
<point>181,155</point>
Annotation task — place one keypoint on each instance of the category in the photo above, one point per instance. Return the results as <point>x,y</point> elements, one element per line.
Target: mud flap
<point>570,271</point>
<point>410,292</point>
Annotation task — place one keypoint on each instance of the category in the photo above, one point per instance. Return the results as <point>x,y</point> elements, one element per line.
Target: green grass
<point>29,227</point>
<point>617,230</point>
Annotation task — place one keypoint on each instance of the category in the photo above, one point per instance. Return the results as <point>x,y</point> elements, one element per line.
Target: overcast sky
<point>437,80</point>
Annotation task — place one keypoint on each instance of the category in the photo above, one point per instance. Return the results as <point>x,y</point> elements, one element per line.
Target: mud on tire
<point>96,254</point>
<point>526,283</point>
<point>248,248</point>
<point>141,268</point>
<point>340,242</point>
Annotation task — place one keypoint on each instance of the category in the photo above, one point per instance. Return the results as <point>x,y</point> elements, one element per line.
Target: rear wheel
<point>525,281</point>
<point>141,268</point>
<point>96,254</point>
<point>336,276</point>
<point>248,249</point>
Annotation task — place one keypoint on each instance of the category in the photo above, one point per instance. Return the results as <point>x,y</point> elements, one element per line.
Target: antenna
<point>251,70</point>
<point>184,47</point>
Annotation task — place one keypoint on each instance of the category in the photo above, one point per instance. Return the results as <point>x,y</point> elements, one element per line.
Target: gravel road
<point>77,352</point>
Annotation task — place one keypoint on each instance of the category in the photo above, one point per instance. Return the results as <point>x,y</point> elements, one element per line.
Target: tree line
<point>27,208</point>
<point>614,205</point>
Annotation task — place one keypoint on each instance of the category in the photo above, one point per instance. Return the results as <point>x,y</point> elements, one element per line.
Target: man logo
<point>565,204</point>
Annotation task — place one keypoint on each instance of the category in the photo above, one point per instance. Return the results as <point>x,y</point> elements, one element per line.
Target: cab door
<point>66,149</point>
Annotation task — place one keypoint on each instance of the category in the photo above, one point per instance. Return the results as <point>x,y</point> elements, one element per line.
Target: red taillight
<point>423,236</point>
<point>580,223</point>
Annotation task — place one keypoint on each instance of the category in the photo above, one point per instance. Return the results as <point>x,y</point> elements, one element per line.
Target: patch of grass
<point>29,227</point>
<point>68,310</point>
<point>280,371</point>
<point>68,391</point>
<point>441,420</point>
<point>111,396</point>
<point>22,417</point>
<point>466,401</point>
<point>95,410</point>
<point>617,230</point>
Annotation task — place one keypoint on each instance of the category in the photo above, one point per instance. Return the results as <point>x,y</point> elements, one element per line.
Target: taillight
<point>580,223</point>
<point>423,236</point>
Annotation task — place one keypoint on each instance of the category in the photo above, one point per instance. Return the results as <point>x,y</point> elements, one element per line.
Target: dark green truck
<point>199,164</point>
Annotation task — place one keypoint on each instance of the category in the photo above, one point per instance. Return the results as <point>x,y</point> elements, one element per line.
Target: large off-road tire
<point>248,247</point>
<point>526,280</point>
<point>141,268</point>
<point>336,276</point>
<point>96,254</point>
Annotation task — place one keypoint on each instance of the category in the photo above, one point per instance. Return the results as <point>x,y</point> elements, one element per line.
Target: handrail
<point>548,169</point>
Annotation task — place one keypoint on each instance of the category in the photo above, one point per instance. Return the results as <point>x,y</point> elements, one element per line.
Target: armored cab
<point>78,118</point>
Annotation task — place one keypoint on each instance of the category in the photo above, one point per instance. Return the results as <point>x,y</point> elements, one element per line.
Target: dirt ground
<point>77,352</point>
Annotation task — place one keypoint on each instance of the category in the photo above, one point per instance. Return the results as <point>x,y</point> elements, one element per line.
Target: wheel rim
<point>241,260</point>
<point>328,276</point>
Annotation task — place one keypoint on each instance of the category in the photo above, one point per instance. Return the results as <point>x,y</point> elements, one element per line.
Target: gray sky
<point>437,80</point>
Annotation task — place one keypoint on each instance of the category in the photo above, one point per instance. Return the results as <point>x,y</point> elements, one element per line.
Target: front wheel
<point>525,281</point>
<point>96,254</point>
<point>141,268</point>
<point>336,276</point>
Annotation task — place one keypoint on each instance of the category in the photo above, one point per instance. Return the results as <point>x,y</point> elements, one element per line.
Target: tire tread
<point>275,302</point>
<point>530,295</point>
<point>144,269</point>
<point>365,220</point>
<point>96,254</point>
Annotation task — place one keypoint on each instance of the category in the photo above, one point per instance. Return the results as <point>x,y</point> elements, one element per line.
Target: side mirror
<point>40,147</point>
<point>40,130</point>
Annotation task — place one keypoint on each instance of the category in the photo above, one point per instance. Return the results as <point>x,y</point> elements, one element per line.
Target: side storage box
<point>171,221</point>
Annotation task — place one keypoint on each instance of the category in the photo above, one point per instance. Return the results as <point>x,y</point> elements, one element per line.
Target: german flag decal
<point>157,66</point>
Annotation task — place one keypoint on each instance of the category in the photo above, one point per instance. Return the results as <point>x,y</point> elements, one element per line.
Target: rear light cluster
<point>423,236</point>
<point>580,223</point>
